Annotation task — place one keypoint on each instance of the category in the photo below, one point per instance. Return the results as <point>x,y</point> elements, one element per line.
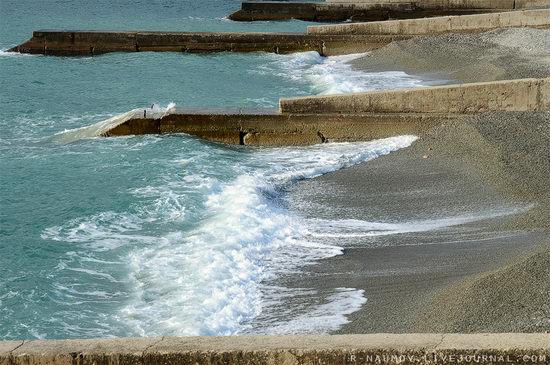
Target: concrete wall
<point>287,350</point>
<point>282,130</point>
<point>438,4</point>
<point>511,95</point>
<point>73,43</point>
<point>458,4</point>
<point>532,4</point>
<point>479,22</point>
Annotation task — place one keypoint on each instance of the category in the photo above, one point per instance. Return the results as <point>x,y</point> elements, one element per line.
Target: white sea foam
<point>102,127</point>
<point>5,53</point>
<point>208,277</point>
<point>335,74</point>
<point>353,228</point>
<point>202,250</point>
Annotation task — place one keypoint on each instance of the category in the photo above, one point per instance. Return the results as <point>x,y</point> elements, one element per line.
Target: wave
<point>100,128</point>
<point>212,271</point>
<point>334,74</point>
<point>353,228</point>
<point>5,53</point>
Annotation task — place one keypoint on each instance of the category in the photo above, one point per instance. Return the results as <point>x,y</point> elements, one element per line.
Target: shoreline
<point>484,276</point>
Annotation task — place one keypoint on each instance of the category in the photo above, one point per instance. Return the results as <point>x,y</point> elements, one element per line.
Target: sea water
<point>159,235</point>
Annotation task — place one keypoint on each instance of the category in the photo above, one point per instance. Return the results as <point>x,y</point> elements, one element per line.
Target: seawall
<point>509,95</point>
<point>286,350</point>
<point>85,43</point>
<point>539,18</point>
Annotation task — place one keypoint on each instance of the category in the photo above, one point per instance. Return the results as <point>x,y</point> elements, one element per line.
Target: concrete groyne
<point>380,349</point>
<point>539,18</point>
<point>374,10</point>
<point>347,117</point>
<point>326,40</point>
<point>85,43</point>
<point>277,129</point>
<point>338,12</point>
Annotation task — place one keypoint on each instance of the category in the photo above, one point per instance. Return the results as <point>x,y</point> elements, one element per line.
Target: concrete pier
<point>403,349</point>
<point>374,10</point>
<point>85,43</point>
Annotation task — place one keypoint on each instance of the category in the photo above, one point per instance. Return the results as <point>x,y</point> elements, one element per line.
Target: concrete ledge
<point>510,95</point>
<point>288,350</point>
<point>467,23</point>
<point>85,43</point>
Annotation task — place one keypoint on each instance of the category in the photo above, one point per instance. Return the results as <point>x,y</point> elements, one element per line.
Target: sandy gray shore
<point>513,53</point>
<point>487,269</point>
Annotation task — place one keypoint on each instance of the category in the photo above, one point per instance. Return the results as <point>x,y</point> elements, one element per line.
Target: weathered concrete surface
<point>289,350</point>
<point>539,18</point>
<point>374,10</point>
<point>532,4</point>
<point>342,11</point>
<point>457,4</point>
<point>510,95</point>
<point>452,4</point>
<point>347,117</point>
<point>75,43</point>
<point>282,130</point>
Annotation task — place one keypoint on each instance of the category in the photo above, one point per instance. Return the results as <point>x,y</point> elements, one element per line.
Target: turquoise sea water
<point>144,236</point>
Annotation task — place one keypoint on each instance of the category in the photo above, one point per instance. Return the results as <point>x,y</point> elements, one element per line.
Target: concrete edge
<point>342,349</point>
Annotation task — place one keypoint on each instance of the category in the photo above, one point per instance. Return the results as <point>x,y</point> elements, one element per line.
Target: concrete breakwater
<point>288,350</point>
<point>267,129</point>
<point>326,40</point>
<point>347,117</point>
<point>335,12</point>
<point>85,43</point>
<point>374,10</point>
